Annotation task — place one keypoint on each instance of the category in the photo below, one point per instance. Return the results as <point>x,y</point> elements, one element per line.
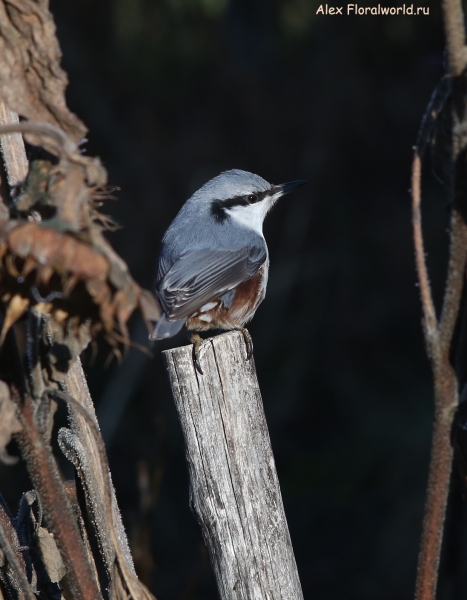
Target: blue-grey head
<point>242,196</point>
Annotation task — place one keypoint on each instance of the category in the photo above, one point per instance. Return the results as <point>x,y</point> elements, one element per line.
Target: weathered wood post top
<point>235,491</point>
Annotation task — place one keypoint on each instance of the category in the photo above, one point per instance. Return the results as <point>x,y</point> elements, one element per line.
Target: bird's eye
<point>251,198</point>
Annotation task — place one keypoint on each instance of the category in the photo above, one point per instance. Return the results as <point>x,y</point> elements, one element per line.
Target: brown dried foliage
<point>63,263</point>
<point>61,284</point>
<point>73,280</point>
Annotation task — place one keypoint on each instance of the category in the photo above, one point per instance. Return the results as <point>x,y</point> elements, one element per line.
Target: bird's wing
<point>202,275</point>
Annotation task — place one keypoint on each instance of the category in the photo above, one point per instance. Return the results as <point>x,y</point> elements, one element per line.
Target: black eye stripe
<point>218,207</point>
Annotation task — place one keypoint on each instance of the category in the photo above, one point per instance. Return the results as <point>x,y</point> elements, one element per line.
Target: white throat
<point>252,216</point>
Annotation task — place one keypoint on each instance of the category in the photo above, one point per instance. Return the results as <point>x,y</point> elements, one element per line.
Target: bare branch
<point>430,321</point>
<point>438,485</point>
<point>66,146</point>
<point>438,341</point>
<point>439,336</point>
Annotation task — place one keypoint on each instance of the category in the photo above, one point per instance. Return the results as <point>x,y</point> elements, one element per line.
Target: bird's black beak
<point>284,188</point>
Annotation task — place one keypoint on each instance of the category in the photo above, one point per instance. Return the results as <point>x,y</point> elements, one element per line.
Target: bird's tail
<point>165,328</point>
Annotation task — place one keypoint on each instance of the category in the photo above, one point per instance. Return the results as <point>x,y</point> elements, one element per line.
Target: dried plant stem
<point>35,449</point>
<point>438,487</point>
<point>430,322</point>
<point>40,459</point>
<point>438,340</point>
<point>47,482</point>
<point>15,560</point>
<point>134,587</point>
<point>76,386</point>
<point>14,128</point>
<point>438,336</point>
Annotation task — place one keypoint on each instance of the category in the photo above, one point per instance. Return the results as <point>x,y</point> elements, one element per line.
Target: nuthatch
<point>213,268</point>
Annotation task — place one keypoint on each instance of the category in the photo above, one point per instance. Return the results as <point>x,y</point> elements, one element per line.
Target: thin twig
<point>438,486</point>
<point>430,321</point>
<point>438,340</point>
<point>438,336</point>
<point>67,146</point>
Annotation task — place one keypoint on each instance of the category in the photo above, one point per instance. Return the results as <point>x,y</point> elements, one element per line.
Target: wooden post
<point>234,491</point>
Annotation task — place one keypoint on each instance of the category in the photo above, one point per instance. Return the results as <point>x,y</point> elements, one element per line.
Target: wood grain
<point>235,491</point>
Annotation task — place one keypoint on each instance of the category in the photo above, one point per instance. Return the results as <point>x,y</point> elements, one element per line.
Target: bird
<point>213,267</point>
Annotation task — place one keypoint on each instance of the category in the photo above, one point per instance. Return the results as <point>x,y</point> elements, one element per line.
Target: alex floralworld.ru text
<point>355,9</point>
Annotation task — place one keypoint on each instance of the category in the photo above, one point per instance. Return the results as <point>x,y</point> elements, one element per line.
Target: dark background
<point>176,91</point>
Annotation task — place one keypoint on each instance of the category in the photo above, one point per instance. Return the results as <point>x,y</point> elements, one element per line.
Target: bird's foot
<point>248,341</point>
<point>197,342</point>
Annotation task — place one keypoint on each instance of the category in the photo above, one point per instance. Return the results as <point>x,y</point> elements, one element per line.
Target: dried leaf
<point>15,309</point>
<point>45,559</point>
<point>75,278</point>
<point>51,556</point>
<point>64,252</point>
<point>9,423</point>
<point>64,265</point>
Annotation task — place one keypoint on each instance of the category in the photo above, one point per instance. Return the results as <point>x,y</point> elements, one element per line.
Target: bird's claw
<point>248,342</point>
<point>197,341</point>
